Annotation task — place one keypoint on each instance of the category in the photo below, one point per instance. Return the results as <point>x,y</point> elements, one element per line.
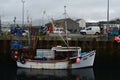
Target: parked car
<point>58,30</point>
<point>91,30</point>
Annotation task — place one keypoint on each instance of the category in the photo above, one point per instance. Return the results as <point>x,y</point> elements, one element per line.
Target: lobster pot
<point>45,53</point>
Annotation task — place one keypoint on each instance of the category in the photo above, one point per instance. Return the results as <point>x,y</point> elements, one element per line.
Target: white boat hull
<point>85,61</point>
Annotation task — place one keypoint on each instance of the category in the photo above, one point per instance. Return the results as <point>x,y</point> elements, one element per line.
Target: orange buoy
<point>78,60</point>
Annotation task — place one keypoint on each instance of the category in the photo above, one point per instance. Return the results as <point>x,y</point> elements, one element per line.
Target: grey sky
<point>90,10</point>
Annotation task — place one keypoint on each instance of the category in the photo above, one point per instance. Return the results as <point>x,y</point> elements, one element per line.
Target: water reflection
<point>76,74</point>
<point>107,73</point>
<point>8,72</point>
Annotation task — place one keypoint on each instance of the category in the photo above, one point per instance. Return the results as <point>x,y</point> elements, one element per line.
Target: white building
<point>82,23</point>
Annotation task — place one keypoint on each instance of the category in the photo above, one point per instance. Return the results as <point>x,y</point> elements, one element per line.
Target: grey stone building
<point>71,25</point>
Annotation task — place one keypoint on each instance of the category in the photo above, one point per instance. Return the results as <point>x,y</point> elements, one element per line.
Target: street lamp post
<point>0,24</point>
<point>23,1</point>
<point>107,26</point>
<point>107,14</point>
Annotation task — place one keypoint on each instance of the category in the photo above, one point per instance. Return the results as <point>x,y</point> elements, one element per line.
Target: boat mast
<point>65,13</point>
<point>14,21</point>
<point>23,2</point>
<point>43,19</point>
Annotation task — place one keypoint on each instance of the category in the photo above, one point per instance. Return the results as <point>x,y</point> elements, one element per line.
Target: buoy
<point>78,60</point>
<point>16,57</point>
<point>16,52</point>
<point>117,39</point>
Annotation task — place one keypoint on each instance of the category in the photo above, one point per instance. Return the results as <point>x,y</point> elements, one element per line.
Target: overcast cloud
<point>90,10</point>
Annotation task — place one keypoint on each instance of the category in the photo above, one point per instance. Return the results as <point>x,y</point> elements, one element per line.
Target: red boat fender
<point>117,38</point>
<point>16,57</point>
<point>78,60</point>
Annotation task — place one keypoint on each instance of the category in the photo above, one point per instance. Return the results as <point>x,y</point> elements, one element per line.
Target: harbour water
<point>10,72</point>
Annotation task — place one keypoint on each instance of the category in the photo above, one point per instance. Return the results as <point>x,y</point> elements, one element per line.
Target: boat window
<point>57,29</point>
<point>59,55</point>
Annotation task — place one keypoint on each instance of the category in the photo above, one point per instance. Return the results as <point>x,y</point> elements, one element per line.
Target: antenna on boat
<point>29,24</point>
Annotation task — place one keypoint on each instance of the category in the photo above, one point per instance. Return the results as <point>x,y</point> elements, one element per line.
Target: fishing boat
<point>58,57</point>
<point>55,58</point>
